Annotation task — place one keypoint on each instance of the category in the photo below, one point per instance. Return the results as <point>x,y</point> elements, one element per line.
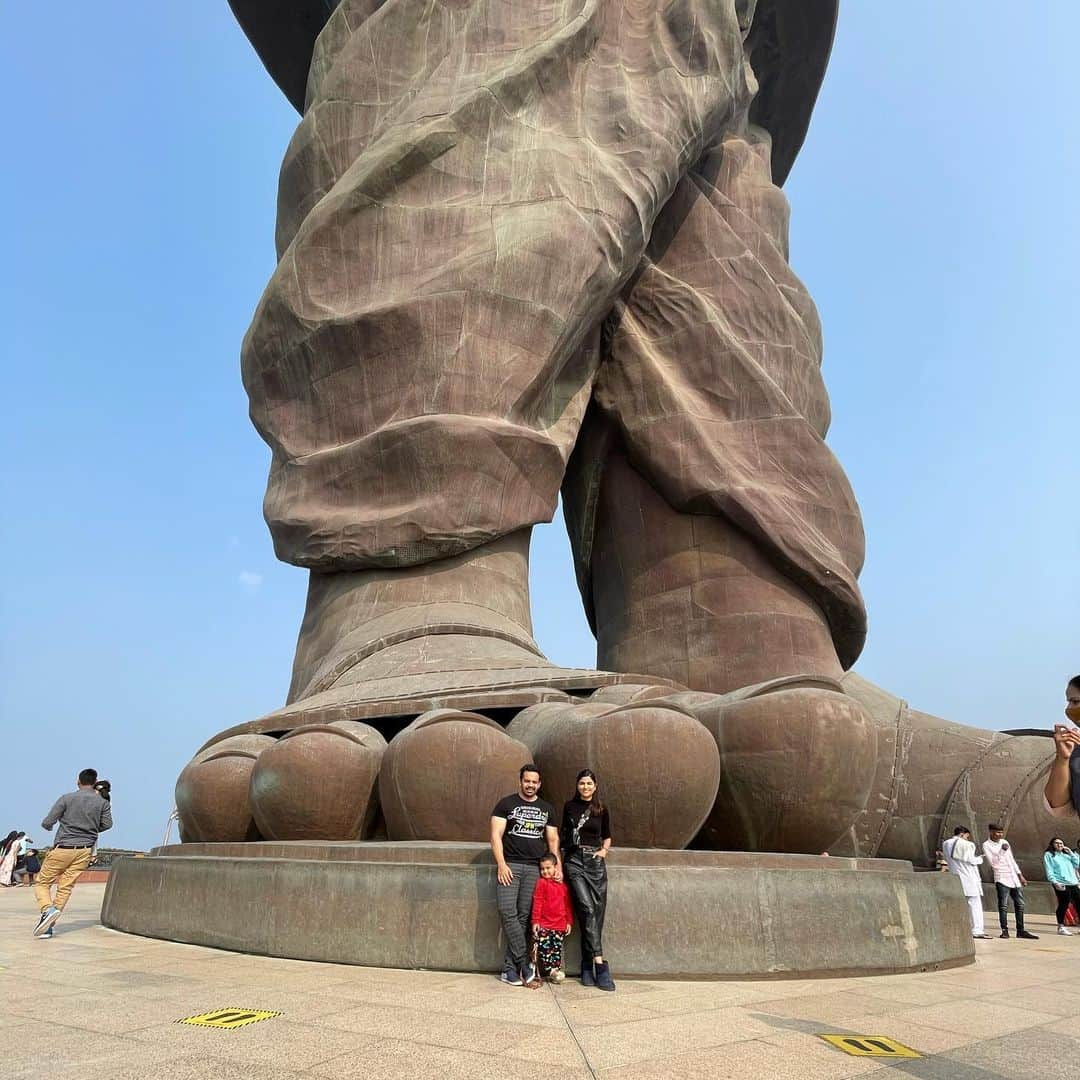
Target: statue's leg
<point>718,542</point>
<point>711,389</point>
<point>471,186</point>
<point>464,198</point>
<point>692,598</point>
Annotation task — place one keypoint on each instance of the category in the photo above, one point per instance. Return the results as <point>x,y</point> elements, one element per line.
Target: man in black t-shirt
<point>523,827</point>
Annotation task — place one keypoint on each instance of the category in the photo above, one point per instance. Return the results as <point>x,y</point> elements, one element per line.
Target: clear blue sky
<point>934,219</point>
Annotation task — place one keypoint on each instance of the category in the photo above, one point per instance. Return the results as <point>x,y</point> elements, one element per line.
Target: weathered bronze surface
<point>532,248</point>
<point>441,776</point>
<point>318,783</point>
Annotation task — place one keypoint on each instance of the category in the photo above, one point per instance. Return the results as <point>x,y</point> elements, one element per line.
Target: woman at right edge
<point>586,841</point>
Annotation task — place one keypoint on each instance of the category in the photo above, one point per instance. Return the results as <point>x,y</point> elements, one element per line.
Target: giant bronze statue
<point>532,248</point>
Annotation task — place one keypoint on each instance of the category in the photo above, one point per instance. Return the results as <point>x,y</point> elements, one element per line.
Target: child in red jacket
<point>552,918</point>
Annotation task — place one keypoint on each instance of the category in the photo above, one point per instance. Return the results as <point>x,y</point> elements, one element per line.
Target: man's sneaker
<point>1027,934</point>
<point>557,975</point>
<point>511,978</point>
<point>1005,933</point>
<point>1063,932</point>
<point>48,917</point>
<point>48,933</point>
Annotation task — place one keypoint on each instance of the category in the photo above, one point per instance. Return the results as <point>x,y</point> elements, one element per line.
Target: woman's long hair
<point>8,840</point>
<point>596,807</point>
<point>1053,841</point>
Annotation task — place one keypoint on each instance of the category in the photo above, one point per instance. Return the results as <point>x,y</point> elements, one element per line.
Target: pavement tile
<point>209,967</point>
<point>191,1067</point>
<point>924,991</point>
<point>201,998</point>
<point>10,1020</point>
<point>542,1008</point>
<point>1069,1028</point>
<point>40,1048</point>
<point>58,974</point>
<point>527,1042</point>
<point>612,1009</point>
<point>1036,1054</point>
<point>825,1008</point>
<point>106,1013</point>
<point>698,997</point>
<point>446,998</point>
<point>778,989</point>
<point>983,977</point>
<point>18,986</point>
<point>286,1043</point>
<point>641,1040</point>
<point>396,1060</point>
<point>424,980</point>
<point>142,981</point>
<point>981,1019</point>
<point>927,1040</point>
<point>808,1061</point>
<point>1050,1000</point>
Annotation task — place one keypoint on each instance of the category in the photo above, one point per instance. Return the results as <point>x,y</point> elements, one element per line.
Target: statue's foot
<point>797,759</point>
<point>441,774</point>
<point>933,775</point>
<point>657,765</point>
<point>448,668</point>
<point>380,652</point>
<point>385,646</point>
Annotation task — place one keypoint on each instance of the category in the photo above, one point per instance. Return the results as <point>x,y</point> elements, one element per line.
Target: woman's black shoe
<point>587,977</point>
<point>604,981</point>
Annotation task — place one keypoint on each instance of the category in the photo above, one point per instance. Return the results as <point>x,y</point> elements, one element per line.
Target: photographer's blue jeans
<point>1003,894</point>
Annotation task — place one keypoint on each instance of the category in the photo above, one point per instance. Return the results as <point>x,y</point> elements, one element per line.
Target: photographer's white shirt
<point>1002,862</point>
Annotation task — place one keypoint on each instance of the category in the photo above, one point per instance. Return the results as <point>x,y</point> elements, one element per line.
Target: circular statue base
<point>675,914</point>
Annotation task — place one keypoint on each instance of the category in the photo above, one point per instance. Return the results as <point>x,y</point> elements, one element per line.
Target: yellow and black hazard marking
<point>229,1018</point>
<point>880,1046</point>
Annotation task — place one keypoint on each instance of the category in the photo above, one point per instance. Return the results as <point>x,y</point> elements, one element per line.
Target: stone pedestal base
<point>677,914</point>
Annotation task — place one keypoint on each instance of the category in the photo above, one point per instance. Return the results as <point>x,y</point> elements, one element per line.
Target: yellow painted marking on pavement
<point>229,1018</point>
<point>880,1046</point>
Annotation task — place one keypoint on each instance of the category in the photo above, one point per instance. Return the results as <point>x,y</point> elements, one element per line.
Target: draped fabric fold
<point>475,190</point>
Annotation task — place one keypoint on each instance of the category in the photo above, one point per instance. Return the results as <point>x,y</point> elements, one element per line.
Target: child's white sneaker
<point>557,975</point>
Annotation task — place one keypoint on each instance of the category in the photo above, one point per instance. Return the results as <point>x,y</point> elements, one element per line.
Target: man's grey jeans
<point>515,909</point>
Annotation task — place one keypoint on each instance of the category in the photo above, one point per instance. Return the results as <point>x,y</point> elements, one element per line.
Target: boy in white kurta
<point>959,852</point>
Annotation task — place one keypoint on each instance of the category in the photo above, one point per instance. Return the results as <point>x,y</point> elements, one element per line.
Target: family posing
<point>532,856</point>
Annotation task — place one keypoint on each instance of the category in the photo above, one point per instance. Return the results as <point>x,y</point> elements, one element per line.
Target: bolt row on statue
<point>527,248</point>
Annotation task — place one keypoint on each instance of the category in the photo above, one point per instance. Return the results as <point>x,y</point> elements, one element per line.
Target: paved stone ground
<point>92,1003</point>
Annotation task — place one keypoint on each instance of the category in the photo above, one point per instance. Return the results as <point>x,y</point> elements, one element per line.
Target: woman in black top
<point>586,841</point>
